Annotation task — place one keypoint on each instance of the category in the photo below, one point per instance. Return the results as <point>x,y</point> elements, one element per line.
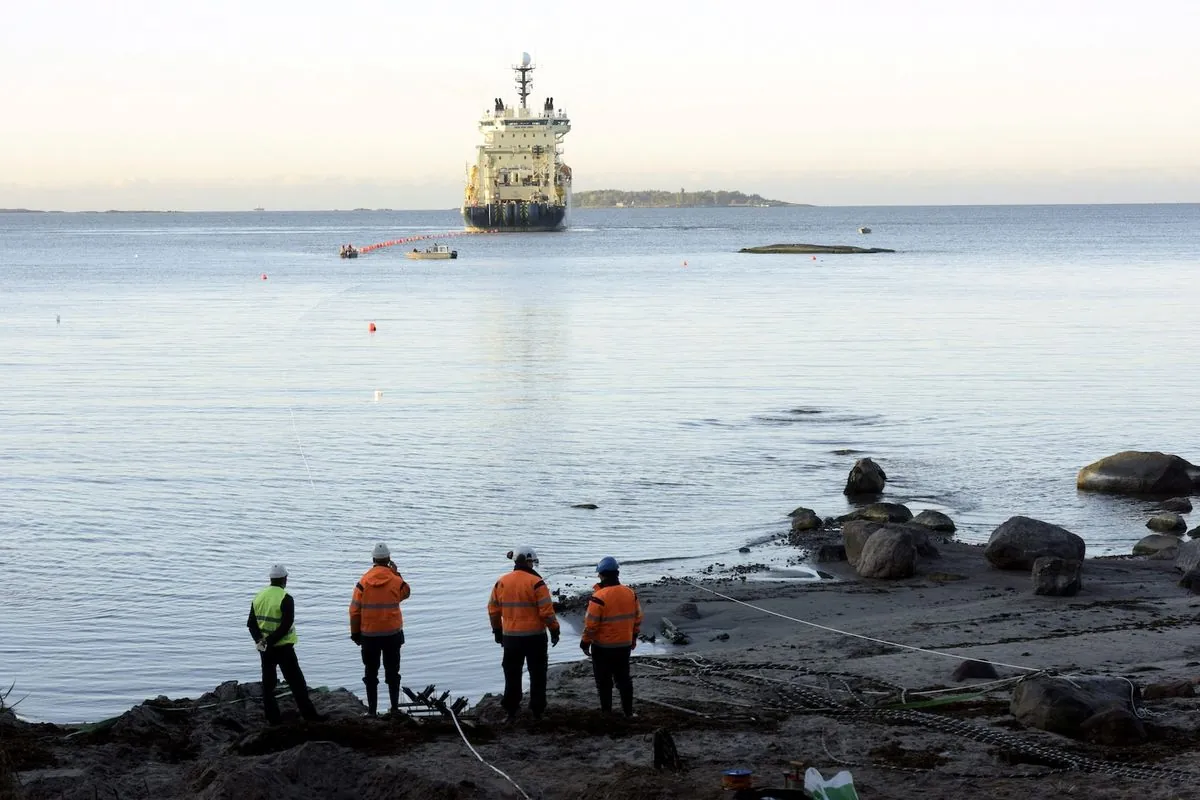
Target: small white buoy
<point>378,394</point>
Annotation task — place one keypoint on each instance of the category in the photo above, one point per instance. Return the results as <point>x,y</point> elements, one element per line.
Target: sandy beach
<point>750,691</point>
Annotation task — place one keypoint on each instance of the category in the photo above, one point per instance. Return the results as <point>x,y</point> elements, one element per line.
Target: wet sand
<point>746,701</point>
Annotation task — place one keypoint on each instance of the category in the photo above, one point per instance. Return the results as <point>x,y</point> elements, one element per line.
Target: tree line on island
<point>655,198</point>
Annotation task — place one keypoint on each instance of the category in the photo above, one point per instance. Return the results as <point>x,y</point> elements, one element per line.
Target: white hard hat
<point>278,571</point>
<point>381,551</point>
<point>524,553</point>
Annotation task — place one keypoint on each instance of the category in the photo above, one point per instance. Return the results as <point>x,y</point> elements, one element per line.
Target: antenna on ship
<point>524,81</point>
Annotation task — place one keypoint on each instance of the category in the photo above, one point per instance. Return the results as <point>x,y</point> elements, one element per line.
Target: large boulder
<point>855,536</point>
<point>1020,541</point>
<point>1158,545</point>
<point>1056,577</point>
<point>1138,473</point>
<point>1167,522</point>
<point>935,521</point>
<point>888,553</point>
<point>879,512</point>
<point>866,477</point>
<point>1066,706</point>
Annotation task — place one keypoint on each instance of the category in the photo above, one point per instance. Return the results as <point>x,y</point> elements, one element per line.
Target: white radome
<point>525,59</point>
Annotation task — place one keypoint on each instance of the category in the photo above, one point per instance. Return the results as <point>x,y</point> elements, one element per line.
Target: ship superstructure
<point>519,181</point>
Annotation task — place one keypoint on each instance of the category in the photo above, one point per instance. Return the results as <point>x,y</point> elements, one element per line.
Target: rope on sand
<point>475,752</point>
<point>859,635</point>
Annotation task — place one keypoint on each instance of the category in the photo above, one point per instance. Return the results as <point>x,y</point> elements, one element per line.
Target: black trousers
<point>520,651</point>
<point>386,648</point>
<point>611,665</point>
<point>283,657</point>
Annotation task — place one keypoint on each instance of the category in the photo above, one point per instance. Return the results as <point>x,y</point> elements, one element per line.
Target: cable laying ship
<point>519,182</point>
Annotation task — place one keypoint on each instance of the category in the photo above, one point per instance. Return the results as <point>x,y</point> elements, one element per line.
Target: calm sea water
<point>187,423</point>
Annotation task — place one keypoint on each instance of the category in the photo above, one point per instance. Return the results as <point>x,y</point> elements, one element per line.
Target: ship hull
<point>515,217</point>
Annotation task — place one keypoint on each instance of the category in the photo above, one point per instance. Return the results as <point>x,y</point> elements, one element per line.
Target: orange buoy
<point>814,258</point>
<point>371,327</point>
<point>685,263</point>
<point>264,276</point>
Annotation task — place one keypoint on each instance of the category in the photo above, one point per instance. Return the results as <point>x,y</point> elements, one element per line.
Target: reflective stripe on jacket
<point>268,614</point>
<point>520,605</point>
<point>614,617</point>
<point>375,606</point>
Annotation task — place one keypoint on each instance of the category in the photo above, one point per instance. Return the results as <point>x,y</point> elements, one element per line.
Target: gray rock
<point>1019,541</point>
<point>1062,706</point>
<point>687,611</point>
<point>588,506</point>
<point>1056,577</point>
<point>1180,505</point>
<point>1157,545</point>
<point>1194,533</point>
<point>1188,559</point>
<point>866,477</point>
<point>888,553</point>
<point>1191,581</point>
<point>975,669</point>
<point>935,521</point>
<point>854,537</point>
<point>1166,523</point>
<point>1136,472</point>
<point>828,553</point>
<point>803,522</point>
<point>879,512</point>
<point>1115,727</point>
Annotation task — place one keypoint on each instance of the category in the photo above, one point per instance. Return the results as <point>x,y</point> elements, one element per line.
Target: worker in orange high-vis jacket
<point>377,626</point>
<point>610,633</point>
<point>521,613</point>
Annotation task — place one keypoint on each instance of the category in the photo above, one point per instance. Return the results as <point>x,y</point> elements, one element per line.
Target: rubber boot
<point>372,698</point>
<point>394,695</point>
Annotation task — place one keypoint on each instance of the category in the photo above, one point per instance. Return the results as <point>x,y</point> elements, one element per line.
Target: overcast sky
<point>231,105</point>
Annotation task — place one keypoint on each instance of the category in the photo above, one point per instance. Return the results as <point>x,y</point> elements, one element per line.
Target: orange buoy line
<point>419,238</point>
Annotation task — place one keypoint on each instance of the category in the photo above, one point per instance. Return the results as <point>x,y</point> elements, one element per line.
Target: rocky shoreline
<point>950,669</point>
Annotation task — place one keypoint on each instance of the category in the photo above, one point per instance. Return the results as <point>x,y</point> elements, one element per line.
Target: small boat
<point>864,229</point>
<point>435,252</point>
<point>348,251</point>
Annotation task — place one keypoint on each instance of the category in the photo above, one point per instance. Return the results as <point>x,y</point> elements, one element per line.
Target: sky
<point>375,103</point>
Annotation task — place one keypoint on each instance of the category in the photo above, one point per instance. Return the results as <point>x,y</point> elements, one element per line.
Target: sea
<point>189,398</point>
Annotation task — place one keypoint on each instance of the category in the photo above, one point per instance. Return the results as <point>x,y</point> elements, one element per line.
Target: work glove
<point>356,638</point>
<point>554,635</point>
<point>261,645</point>
<point>498,635</point>
<point>586,647</point>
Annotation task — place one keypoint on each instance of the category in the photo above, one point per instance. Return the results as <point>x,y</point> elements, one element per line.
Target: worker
<point>610,632</point>
<point>272,624</point>
<point>521,613</point>
<point>377,626</point>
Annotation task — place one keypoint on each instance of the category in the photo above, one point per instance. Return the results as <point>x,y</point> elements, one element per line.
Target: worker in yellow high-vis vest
<point>272,624</point>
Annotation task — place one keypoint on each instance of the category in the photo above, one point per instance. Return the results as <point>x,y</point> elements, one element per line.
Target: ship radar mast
<point>524,79</point>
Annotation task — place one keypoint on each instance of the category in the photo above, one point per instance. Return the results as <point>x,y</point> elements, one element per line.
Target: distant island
<point>21,211</point>
<point>655,198</point>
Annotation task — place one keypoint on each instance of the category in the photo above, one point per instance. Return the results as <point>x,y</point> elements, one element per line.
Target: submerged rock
<point>1056,577</point>
<point>1136,472</point>
<point>803,520</point>
<point>1020,541</point>
<point>935,521</point>
<point>1180,505</point>
<point>805,249</point>
<point>866,478</point>
<point>1166,522</point>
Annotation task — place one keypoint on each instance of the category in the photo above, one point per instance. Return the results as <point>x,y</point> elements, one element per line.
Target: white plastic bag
<point>839,787</point>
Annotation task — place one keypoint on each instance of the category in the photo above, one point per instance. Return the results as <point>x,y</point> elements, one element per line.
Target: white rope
<point>301,446</point>
<point>475,752</point>
<point>859,635</point>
